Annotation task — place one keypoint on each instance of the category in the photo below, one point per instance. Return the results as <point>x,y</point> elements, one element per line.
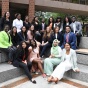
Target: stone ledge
<point>8,72</point>
<point>82,51</point>
<point>3,57</point>
<point>82,75</point>
<point>84,43</point>
<point>82,59</point>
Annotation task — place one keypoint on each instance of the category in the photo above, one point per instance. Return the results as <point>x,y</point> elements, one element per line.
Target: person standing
<point>51,23</point>
<point>18,22</point>
<point>36,24</point>
<point>26,23</point>
<point>77,29</point>
<point>5,21</point>
<point>59,24</point>
<point>42,27</point>
<point>66,22</point>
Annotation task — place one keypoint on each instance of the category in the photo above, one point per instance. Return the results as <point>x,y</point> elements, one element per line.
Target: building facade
<point>13,8</point>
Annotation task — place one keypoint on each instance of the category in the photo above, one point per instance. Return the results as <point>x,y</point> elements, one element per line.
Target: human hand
<point>51,56</point>
<point>24,62</point>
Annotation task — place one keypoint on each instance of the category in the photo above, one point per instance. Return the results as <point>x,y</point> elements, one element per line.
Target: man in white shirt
<point>18,22</point>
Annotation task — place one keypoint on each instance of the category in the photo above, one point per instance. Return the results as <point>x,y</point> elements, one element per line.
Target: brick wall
<point>31,10</point>
<point>5,6</point>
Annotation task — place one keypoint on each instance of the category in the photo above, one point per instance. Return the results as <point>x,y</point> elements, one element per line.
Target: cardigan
<point>73,58</point>
<point>4,40</point>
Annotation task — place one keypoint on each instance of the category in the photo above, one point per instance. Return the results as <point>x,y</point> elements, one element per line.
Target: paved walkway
<point>42,83</point>
<point>23,82</point>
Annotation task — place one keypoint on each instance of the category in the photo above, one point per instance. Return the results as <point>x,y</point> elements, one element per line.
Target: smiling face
<point>19,16</point>
<point>66,19</point>
<point>26,18</point>
<point>56,29</point>
<point>33,43</point>
<point>23,28</point>
<point>67,46</point>
<point>68,29</point>
<point>32,27</point>
<point>6,28</point>
<point>55,43</point>
<point>48,29</point>
<point>7,14</point>
<point>14,30</point>
<point>24,45</point>
<point>73,19</point>
<point>51,19</point>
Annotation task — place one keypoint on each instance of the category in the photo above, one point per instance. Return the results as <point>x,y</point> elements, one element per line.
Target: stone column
<point>5,6</point>
<point>31,10</point>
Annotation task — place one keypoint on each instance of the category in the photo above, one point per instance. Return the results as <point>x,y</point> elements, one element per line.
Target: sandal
<point>44,75</point>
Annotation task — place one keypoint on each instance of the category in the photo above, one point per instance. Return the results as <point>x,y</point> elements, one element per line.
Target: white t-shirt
<point>74,27</point>
<point>18,24</point>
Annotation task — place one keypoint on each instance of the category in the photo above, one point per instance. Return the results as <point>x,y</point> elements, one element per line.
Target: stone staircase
<point>82,60</point>
<point>8,72</point>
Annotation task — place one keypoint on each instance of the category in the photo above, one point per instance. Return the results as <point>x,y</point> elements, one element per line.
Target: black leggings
<point>25,67</point>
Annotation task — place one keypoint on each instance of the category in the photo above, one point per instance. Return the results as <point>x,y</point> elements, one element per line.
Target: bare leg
<point>39,65</point>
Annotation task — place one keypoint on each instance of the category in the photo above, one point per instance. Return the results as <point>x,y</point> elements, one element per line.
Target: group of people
<point>27,42</point>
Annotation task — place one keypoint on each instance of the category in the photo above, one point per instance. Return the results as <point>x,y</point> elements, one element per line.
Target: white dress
<point>62,67</point>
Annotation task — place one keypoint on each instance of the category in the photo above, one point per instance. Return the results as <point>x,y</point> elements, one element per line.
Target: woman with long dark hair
<point>56,35</point>
<point>35,58</point>
<point>14,36</point>
<point>21,59</point>
<point>45,40</point>
<point>36,24</point>
<point>59,24</point>
<point>5,20</point>
<point>66,22</point>
<point>26,23</point>
<point>31,32</point>
<point>51,22</point>
<point>23,34</point>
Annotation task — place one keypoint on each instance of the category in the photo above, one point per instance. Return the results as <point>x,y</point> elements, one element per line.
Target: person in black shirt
<point>36,24</point>
<point>26,23</point>
<point>5,20</point>
<point>23,34</point>
<point>21,59</point>
<point>14,36</point>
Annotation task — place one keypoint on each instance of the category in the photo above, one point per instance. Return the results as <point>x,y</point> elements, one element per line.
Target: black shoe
<point>33,81</point>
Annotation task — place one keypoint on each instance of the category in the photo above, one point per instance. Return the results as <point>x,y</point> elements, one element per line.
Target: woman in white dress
<point>69,61</point>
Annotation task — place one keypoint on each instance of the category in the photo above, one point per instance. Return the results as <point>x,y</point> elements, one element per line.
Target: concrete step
<point>82,56</point>
<point>3,57</point>
<point>8,72</point>
<point>82,75</point>
<point>84,43</point>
